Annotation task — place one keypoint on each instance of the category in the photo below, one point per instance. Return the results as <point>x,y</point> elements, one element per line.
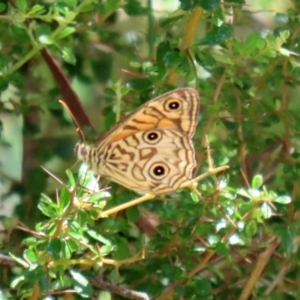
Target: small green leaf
<point>139,84</point>
<point>195,197</point>
<point>54,248</point>
<point>65,32</point>
<point>2,296</point>
<point>217,35</point>
<point>71,178</point>
<point>251,228</point>
<point>68,55</point>
<point>95,235</point>
<point>47,207</point>
<point>84,7</point>
<point>17,281</point>
<point>168,21</point>
<point>283,199</point>
<point>19,260</point>
<point>286,237</point>
<point>43,30</point>
<point>45,39</point>
<point>167,55</point>
<point>36,10</point>
<point>134,8</point>
<point>266,210</point>
<point>2,7</point>
<point>188,4</point>
<point>71,3</point>
<point>209,4</point>
<point>281,18</point>
<point>202,287</point>
<point>257,182</point>
<point>30,255</point>
<point>222,249</point>
<point>64,199</point>
<point>81,284</point>
<point>107,249</point>
<point>133,214</point>
<point>22,5</point>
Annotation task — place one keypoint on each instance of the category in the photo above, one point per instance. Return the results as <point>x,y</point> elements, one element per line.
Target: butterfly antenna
<point>78,129</point>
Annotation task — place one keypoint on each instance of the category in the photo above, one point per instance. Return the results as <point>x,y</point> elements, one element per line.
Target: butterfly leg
<point>127,205</point>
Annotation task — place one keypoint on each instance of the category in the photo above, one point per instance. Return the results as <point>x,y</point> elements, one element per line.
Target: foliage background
<point>239,241</point>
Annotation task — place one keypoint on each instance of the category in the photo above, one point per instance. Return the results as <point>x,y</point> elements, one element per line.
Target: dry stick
<point>6,260</point>
<point>279,278</point>
<point>261,262</point>
<point>124,292</point>
<point>188,38</point>
<point>69,95</point>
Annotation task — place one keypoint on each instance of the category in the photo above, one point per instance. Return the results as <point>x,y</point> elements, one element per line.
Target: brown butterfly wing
<point>152,161</point>
<point>177,109</point>
<point>129,157</point>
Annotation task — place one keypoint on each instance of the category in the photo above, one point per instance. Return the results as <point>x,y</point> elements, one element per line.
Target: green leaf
<point>110,6</point>
<point>166,55</point>
<point>283,199</point>
<point>22,5</point>
<point>266,210</point>
<point>209,4</point>
<point>43,30</point>
<point>133,214</point>
<point>253,41</point>
<point>2,296</point>
<point>47,207</point>
<point>107,249</point>
<point>19,260</point>
<point>188,4</point>
<point>84,7</point>
<point>202,287</point>
<point>30,255</point>
<point>217,35</point>
<point>237,1</point>
<point>36,10</point>
<point>195,197</point>
<point>71,178</point>
<point>68,55</point>
<point>139,84</point>
<point>222,249</point>
<point>251,228</point>
<point>81,284</point>
<point>257,182</point>
<point>54,248</point>
<point>64,199</point>
<point>71,3</point>
<point>95,235</point>
<point>65,32</point>
<point>2,7</point>
<point>46,39</point>
<point>168,21</point>
<point>286,237</point>
<point>281,18</point>
<point>134,8</point>
<point>68,248</point>
<point>121,249</point>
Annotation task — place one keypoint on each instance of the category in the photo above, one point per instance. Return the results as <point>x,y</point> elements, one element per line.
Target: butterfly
<point>150,151</point>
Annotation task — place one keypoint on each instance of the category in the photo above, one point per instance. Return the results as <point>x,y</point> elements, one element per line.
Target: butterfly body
<point>151,150</point>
